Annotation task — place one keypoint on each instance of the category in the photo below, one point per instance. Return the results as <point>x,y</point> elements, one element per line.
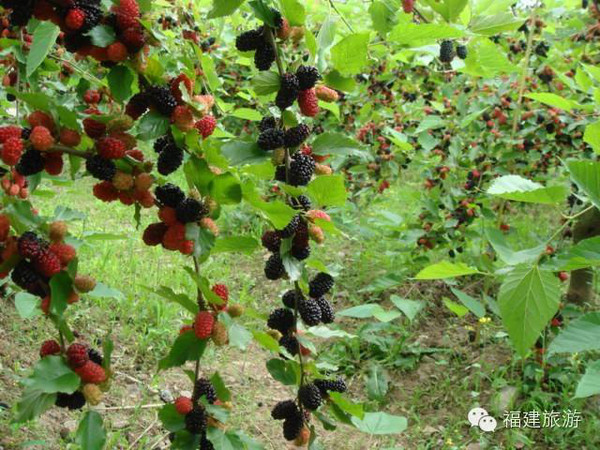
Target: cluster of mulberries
<point>15,184</point>
<point>31,150</point>
<point>272,138</point>
<point>169,101</point>
<point>300,172</point>
<point>87,364</point>
<point>258,41</point>
<point>32,261</point>
<point>175,211</point>
<point>448,51</point>
<point>293,419</point>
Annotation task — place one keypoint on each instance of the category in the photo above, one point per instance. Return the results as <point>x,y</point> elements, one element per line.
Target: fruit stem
<point>341,16</point>
<point>271,39</point>
<point>200,297</point>
<point>69,150</point>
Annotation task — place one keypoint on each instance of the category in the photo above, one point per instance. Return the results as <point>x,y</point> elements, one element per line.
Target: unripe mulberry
<point>183,405</point>
<point>48,264</point>
<point>41,138</point>
<point>77,355</point>
<point>84,283</point>
<point>91,372</point>
<point>235,310</point>
<point>220,335</point>
<point>57,231</point>
<point>206,126</point>
<point>92,393</point>
<point>327,94</point>
<point>308,102</point>
<point>50,347</point>
<point>111,148</point>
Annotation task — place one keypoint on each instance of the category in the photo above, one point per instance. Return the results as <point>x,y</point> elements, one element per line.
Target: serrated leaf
<point>517,188</point>
<point>592,136</point>
<point>578,336</point>
<point>554,100</point>
<point>266,83</point>
<point>187,347</point>
<point>380,423</point>
<point>590,382</point>
<point>222,8</point>
<point>171,419</point>
<point>120,80</point>
<point>51,374</point>
<point>32,404</point>
<point>586,174</point>
<point>349,55</point>
<point>27,305</point>
<point>528,299</point>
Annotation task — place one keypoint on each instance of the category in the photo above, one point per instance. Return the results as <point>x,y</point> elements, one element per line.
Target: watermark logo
<point>479,417</point>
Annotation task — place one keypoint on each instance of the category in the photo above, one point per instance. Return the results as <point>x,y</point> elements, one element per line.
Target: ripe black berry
<point>26,277</point>
<point>288,91</point>
<point>290,297</point>
<point>267,123</point>
<point>169,195</point>
<point>307,77</point>
<point>95,356</point>
<point>290,228</point>
<point>310,312</point>
<point>271,139</point>
<point>274,269</point>
<point>310,396</point>
<point>326,386</point>
<point>162,99</point>
<point>461,51</point>
<point>170,155</point>
<point>292,427</point>
<point>294,137</point>
<point>203,387</point>
<point>284,409</point>
<point>291,344</point>
<point>327,312</point>
<point>101,168</point>
<point>190,210</point>
<point>31,162</point>
<point>195,420</point>
<point>300,253</point>
<point>73,401</point>
<point>302,168</point>
<point>264,56</point>
<point>320,285</point>
<point>282,320</point>
<point>447,51</point>
<point>250,40</point>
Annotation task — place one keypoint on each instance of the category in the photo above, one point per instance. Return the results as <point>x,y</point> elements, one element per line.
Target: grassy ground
<point>434,374</point>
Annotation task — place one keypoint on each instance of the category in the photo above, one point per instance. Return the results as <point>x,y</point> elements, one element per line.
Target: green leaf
<point>349,55</point>
<point>380,423</point>
<point>27,305</point>
<point>335,80</point>
<point>294,12</point>
<point>181,299</point>
<point>203,239</point>
<point>171,419</point>
<point>485,59</point>
<point>473,304</point>
<point>554,100</point>
<point>51,374</point>
<point>330,143</point>
<point>263,12</point>
<point>266,83</point>
<point>238,244</point>
<point>32,404</point>
<point>495,24</point>
<point>246,114</point>
<point>226,189</point>
<point>152,125</point>
<point>383,16</point>
<point>284,371</point>
<point>222,8</point>
<point>91,434</point>
<point>528,299</point>
<point>590,382</point>
<point>354,409</point>
<point>328,190</point>
<point>507,254</point>
<point>448,9</point>
<point>240,152</point>
<point>445,269</point>
<point>210,72</point>
<point>377,383</point>
<point>410,308</point>
<point>578,336</point>
<point>456,308</point>
<point>44,37</point>
<point>266,341</point>
<point>514,187</point>
<point>223,393</point>
<point>414,35</point>
<point>187,347</point>
<point>239,336</point>
<point>120,78</point>
<point>103,291</point>
<point>585,253</point>
<point>61,286</point>
<point>224,440</point>
<point>102,35</point>
<point>360,311</point>
<point>586,174</point>
<point>198,174</point>
<point>276,211</point>
<point>592,136</point>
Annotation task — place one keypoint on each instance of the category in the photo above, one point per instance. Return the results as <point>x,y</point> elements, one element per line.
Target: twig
<point>129,407</point>
<point>341,16</point>
<point>421,16</point>
<point>159,441</point>
<point>143,434</point>
<point>271,39</point>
